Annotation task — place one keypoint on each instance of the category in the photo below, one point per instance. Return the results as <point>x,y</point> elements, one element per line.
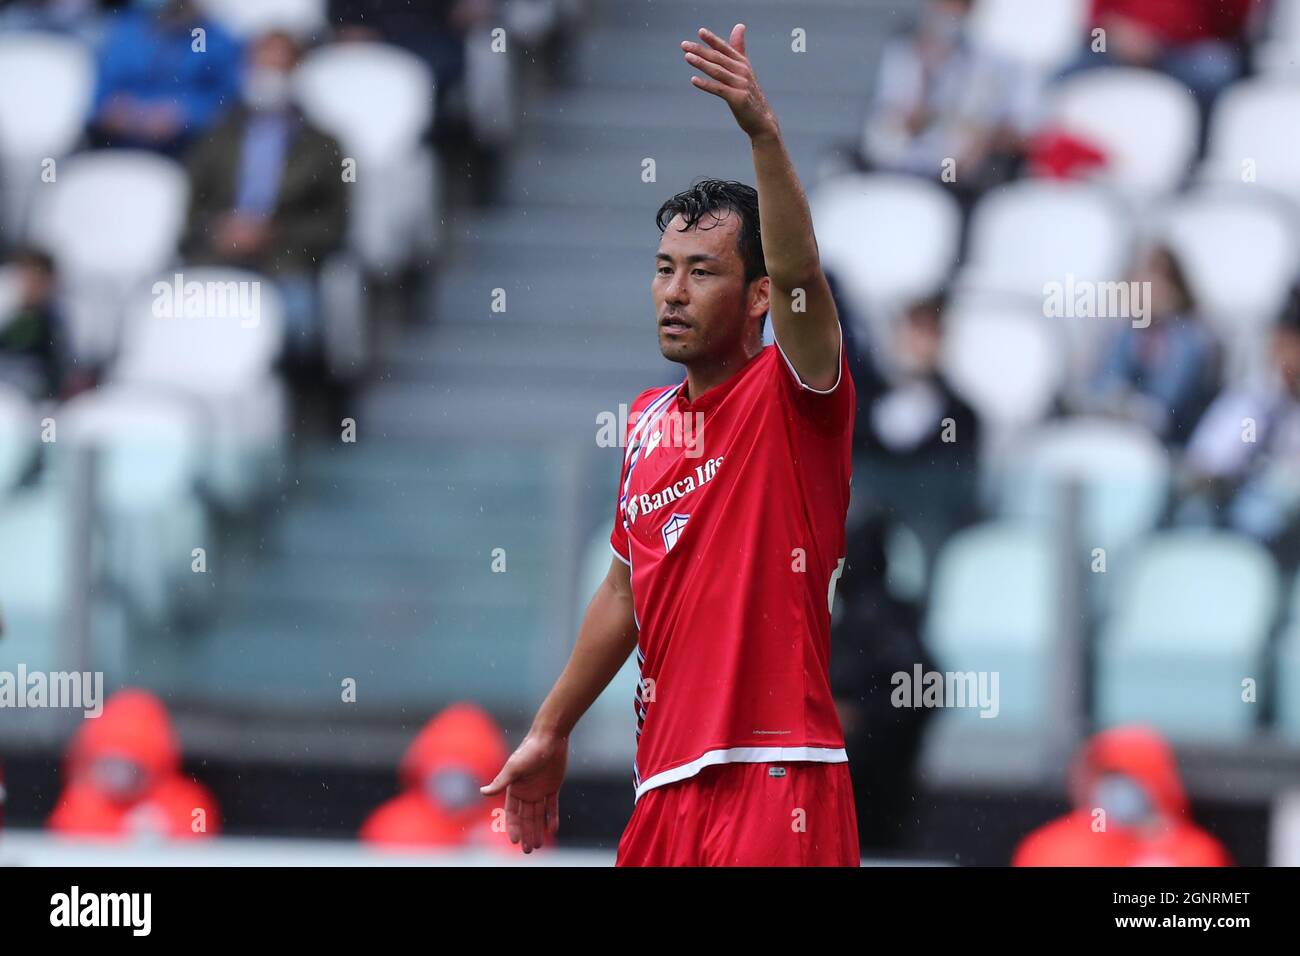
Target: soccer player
<point>728,538</point>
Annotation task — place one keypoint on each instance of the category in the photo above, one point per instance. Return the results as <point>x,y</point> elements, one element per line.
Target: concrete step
<point>761,17</point>
<point>557,416</point>
<point>545,297</point>
<point>830,62</point>
<point>610,177</point>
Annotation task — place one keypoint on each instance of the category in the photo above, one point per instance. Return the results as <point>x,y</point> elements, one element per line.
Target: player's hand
<point>531,780</point>
<point>729,75</point>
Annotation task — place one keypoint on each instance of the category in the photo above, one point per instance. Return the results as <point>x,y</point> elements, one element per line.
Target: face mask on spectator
<point>267,90</point>
<point>453,790</point>
<point>117,778</point>
<point>1124,800</point>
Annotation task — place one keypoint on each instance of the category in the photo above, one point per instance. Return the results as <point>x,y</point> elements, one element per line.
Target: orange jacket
<point>134,726</point>
<point>1143,755</point>
<point>461,737</point>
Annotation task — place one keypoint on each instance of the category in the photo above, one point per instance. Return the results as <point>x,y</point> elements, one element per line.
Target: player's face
<point>703,305</point>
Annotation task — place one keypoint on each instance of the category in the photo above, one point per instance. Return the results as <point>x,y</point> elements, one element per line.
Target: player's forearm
<point>789,246</point>
<point>605,639</point>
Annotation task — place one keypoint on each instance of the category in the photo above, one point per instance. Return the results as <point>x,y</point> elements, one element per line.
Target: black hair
<point>717,197</point>
<point>936,304</point>
<point>33,256</point>
<point>1165,256</point>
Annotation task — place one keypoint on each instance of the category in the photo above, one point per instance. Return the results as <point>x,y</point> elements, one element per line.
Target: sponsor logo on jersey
<point>644,504</point>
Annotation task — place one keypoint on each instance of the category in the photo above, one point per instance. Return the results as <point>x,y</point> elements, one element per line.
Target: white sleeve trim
<point>619,556</point>
<point>839,365</point>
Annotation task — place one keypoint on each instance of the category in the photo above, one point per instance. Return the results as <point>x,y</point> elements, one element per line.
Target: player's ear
<point>760,297</point>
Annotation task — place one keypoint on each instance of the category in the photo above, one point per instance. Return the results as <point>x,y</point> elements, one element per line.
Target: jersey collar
<point>716,394</point>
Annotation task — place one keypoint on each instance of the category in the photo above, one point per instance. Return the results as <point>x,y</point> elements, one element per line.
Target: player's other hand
<point>531,780</point>
<point>729,75</point>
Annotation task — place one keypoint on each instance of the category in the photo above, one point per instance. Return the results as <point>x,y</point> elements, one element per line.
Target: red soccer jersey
<point>731,515</point>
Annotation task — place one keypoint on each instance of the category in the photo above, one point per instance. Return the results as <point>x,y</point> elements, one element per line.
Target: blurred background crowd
<point>1065,242</point>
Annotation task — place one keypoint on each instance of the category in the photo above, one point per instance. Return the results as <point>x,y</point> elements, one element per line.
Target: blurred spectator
<point>33,344</point>
<point>907,406</point>
<point>161,82</point>
<point>1243,460</point>
<point>457,752</point>
<point>82,19</point>
<point>918,437</point>
<point>124,777</point>
<point>1129,810</point>
<point>1197,42</point>
<point>1162,375</point>
<point>874,636</point>
<point>939,99</point>
<point>267,191</point>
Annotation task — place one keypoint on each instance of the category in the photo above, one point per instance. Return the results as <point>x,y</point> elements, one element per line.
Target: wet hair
<point>717,197</point>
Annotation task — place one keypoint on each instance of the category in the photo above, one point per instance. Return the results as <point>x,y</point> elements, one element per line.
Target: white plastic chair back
<point>249,18</point>
<point>1146,123</point>
<point>1254,137</point>
<point>1045,35</point>
<point>1028,234</point>
<point>889,238</point>
<point>205,329</point>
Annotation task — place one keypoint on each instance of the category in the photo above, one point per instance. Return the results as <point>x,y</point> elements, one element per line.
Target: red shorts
<point>747,814</point>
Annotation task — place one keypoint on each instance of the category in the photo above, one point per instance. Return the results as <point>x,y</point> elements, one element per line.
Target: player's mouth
<point>674,325</point>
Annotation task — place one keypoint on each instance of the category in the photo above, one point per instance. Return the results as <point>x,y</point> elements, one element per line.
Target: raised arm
<point>804,319</point>
<point>532,776</point>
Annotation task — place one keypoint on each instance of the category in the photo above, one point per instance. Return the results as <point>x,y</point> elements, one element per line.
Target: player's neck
<point>702,378</point>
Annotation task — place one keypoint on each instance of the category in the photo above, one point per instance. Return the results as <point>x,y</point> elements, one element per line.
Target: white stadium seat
<point>114,220</point>
<point>222,356</point>
<point>1241,254</point>
<point>18,437</point>
<point>35,550</point>
<point>1044,35</point>
<point>232,338</point>
<point>992,610</point>
<point>1254,137</point>
<point>1004,358</point>
<point>1028,234</point>
<point>46,83</point>
<point>1191,625</point>
<point>1279,52</point>
<point>1145,123</point>
<point>889,238</point>
<point>338,86</point>
<point>1122,471</point>
<point>248,18</point>
<point>151,449</point>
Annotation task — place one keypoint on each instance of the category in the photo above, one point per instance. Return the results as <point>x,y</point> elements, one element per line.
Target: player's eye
<point>702,272</point>
<point>664,270</point>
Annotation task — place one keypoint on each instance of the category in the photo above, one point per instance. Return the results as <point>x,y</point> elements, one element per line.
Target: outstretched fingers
<point>716,70</point>
<point>719,44</point>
